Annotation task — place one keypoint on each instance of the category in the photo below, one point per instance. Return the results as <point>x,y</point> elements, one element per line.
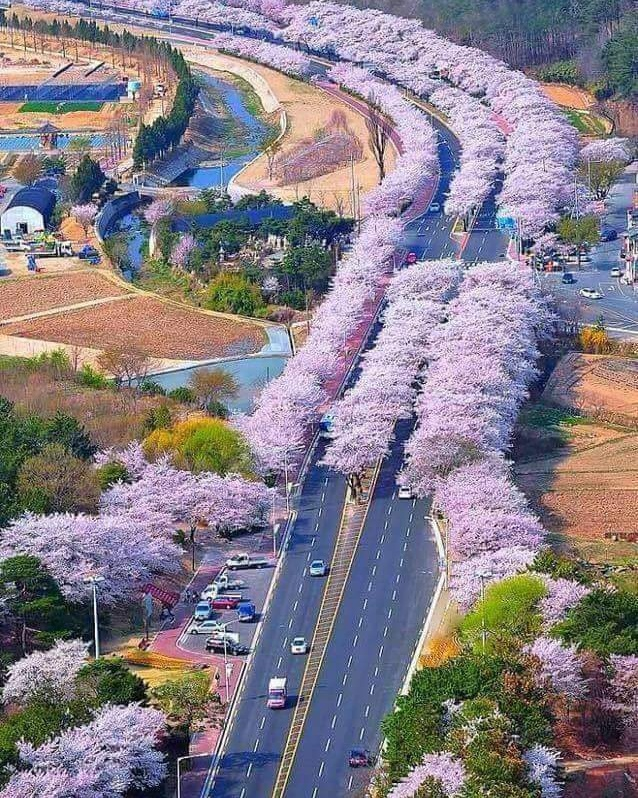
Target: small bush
<point>182,394</point>
<point>91,378</point>
<point>152,388</point>
<point>604,622</point>
<point>112,472</point>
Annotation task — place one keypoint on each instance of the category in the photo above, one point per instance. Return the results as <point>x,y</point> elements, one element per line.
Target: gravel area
<point>159,329</point>
<point>34,294</point>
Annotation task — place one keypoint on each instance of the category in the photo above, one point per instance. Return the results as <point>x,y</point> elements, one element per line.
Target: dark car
<point>225,603</point>
<point>608,234</point>
<point>411,258</point>
<point>568,279</point>
<point>88,252</point>
<point>360,758</point>
<point>216,646</point>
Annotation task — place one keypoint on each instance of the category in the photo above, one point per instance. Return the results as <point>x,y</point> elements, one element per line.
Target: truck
<point>242,561</point>
<point>276,693</point>
<point>226,582</point>
<point>246,612</point>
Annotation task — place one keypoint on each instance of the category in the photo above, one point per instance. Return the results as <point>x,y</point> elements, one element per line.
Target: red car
<point>225,603</point>
<point>360,758</point>
<point>411,258</point>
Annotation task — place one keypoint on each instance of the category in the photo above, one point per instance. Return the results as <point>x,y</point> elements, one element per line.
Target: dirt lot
<point>160,329</point>
<point>12,119</point>
<point>588,486</point>
<point>597,385</point>
<point>568,96</point>
<point>19,297</point>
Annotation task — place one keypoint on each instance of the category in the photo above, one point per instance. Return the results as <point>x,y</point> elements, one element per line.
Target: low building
<point>29,210</point>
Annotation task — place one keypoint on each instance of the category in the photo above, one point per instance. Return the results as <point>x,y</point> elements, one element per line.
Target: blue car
<point>608,234</point>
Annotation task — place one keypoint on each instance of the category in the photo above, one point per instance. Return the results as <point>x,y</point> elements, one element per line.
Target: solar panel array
<point>88,92</point>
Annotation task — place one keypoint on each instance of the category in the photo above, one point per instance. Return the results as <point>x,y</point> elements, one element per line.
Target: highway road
<point>383,607</point>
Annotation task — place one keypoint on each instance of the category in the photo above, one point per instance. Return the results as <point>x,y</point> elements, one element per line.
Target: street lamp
<point>94,580</point>
<point>181,759</point>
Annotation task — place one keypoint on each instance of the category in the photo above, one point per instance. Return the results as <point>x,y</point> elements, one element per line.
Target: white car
<point>210,592</point>
<point>404,492</point>
<point>616,271</point>
<point>299,646</point>
<point>590,293</point>
<point>206,627</point>
<point>318,568</point>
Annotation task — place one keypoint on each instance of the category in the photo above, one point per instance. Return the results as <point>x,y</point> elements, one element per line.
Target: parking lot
<point>254,588</point>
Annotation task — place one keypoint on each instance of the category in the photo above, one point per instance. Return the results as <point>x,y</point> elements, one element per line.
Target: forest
<point>599,36</point>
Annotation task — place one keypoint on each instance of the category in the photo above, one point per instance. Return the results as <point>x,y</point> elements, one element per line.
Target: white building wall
<point>19,215</point>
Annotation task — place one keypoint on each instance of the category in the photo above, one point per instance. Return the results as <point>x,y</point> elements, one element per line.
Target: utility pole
<point>352,189</point>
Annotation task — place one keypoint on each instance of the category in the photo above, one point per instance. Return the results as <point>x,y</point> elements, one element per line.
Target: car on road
<point>608,234</point>
<point>206,627</point>
<point>203,611</point>
<point>411,258</point>
<point>277,693</point>
<point>616,271</point>
<point>216,645</point>
<point>88,252</point>
<point>318,568</point>
<point>404,492</point>
<point>299,645</point>
<point>568,279</point>
<point>435,207</point>
<point>590,293</point>
<point>360,758</point>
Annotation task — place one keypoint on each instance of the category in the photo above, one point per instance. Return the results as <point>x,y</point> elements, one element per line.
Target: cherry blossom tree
<point>182,251</point>
<point>384,392</point>
<point>443,767</point>
<point>605,150</point>
<point>84,215</point>
<point>559,667</point>
<point>73,546</point>
<point>50,674</point>
<point>542,765</point>
<point>109,757</point>
<point>562,596</point>
<point>622,691</point>
<point>159,209</point>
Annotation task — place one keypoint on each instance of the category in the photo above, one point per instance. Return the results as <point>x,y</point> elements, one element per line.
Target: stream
<point>247,134</point>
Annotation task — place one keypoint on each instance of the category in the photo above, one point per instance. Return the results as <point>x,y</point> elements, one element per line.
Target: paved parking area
<point>255,589</point>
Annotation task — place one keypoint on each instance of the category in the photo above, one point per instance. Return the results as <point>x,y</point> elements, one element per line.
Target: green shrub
<point>233,293</point>
<point>182,394</point>
<point>561,72</point>
<point>112,472</point>
<point>507,612</point>
<point>91,378</point>
<point>604,622</point>
<point>151,388</point>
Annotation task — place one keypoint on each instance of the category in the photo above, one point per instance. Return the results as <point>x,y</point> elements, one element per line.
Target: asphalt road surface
<point>385,601</point>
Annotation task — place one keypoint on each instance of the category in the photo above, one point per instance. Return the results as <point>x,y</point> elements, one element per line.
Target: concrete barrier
<point>114,210</point>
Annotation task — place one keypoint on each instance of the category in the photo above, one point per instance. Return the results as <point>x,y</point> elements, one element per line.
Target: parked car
<point>360,758</point>
<point>87,252</point>
<point>616,271</point>
<point>590,293</point>
<point>216,646</point>
<point>608,234</point>
<point>242,561</point>
<point>225,602</point>
<point>299,646</point>
<point>318,568</point>
<point>568,279</point>
<point>203,611</point>
<point>206,627</point>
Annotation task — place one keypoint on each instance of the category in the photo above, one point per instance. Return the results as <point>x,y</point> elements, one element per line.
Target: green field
<point>588,123</point>
<point>52,107</point>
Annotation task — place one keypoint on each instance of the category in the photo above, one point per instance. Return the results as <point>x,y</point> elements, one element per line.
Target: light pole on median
<point>94,580</point>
